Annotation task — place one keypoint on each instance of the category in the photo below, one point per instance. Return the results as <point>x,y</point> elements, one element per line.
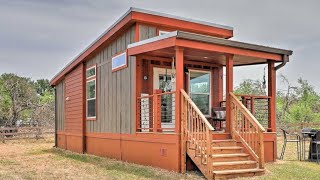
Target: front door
<point>163,80</point>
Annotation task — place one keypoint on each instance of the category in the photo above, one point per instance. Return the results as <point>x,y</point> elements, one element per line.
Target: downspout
<point>285,59</point>
<point>55,118</point>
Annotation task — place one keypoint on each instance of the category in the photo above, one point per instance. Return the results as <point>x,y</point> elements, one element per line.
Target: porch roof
<point>210,49</point>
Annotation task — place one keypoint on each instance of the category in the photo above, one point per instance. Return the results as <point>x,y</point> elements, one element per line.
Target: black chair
<point>295,139</point>
<point>315,141</point>
<point>305,136</point>
<point>218,115</point>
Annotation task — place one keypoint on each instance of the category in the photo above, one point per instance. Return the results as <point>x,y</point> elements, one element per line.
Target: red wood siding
<point>74,109</point>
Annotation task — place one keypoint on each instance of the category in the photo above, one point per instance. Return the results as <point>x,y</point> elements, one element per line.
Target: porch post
<point>229,88</point>
<point>272,94</point>
<point>179,86</point>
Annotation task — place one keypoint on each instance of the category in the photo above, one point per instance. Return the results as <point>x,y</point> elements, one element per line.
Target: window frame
<point>210,88</point>
<point>90,79</point>
<point>163,31</point>
<point>121,66</point>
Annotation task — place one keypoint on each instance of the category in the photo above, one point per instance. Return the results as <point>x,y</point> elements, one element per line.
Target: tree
<point>43,86</point>
<point>17,95</point>
<point>298,104</point>
<point>306,107</point>
<point>251,87</point>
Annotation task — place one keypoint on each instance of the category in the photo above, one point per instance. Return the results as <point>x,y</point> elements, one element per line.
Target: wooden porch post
<point>272,94</point>
<point>179,86</point>
<point>178,109</point>
<point>137,92</point>
<point>229,88</point>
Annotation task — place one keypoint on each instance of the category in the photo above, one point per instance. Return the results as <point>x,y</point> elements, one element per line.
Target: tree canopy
<point>295,104</point>
<point>21,99</point>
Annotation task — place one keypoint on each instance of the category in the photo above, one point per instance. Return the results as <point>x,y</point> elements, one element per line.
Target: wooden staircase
<point>237,156</point>
<point>228,160</point>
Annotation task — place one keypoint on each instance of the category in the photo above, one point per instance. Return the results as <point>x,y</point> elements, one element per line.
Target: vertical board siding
<point>115,97</point>
<point>60,106</point>
<point>147,32</point>
<point>74,101</point>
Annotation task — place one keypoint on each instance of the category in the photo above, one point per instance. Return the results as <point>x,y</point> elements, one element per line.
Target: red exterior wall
<point>74,109</point>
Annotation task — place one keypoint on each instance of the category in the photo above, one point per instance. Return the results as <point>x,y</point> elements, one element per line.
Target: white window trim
<point>210,92</point>
<point>95,71</point>
<point>123,65</point>
<point>94,78</point>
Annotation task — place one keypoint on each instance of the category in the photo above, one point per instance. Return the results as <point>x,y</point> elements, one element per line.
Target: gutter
<point>285,59</point>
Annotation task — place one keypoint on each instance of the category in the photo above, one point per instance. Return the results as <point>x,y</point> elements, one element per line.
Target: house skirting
<point>157,150</point>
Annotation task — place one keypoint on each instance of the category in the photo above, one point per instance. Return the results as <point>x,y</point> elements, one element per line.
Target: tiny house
<point>150,91</point>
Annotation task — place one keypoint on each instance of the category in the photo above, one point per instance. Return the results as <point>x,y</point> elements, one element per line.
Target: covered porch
<point>179,60</point>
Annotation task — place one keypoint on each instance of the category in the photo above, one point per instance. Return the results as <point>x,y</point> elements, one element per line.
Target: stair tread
<point>233,163</point>
<point>230,155</point>
<point>224,140</point>
<point>226,147</point>
<point>237,171</point>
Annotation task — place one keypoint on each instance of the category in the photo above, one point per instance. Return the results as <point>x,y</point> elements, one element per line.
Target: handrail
<point>197,110</point>
<point>247,128</point>
<point>258,105</point>
<point>196,133</point>
<point>253,96</point>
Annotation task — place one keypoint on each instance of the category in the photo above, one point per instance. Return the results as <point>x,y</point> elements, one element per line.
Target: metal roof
<point>133,9</point>
<point>180,18</point>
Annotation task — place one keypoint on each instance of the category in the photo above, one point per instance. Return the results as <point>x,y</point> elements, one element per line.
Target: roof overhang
<point>136,15</point>
<point>207,48</point>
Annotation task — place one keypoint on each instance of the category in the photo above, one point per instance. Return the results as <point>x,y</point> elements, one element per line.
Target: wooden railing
<point>14,133</point>
<point>196,132</point>
<point>246,128</point>
<point>258,106</point>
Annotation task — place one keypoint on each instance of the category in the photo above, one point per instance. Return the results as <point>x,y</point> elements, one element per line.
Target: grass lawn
<point>31,159</point>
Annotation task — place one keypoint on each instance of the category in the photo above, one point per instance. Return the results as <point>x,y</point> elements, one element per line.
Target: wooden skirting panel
<point>61,140</point>
<point>270,146</point>
<point>74,143</point>
<point>70,141</point>
<point>158,150</point>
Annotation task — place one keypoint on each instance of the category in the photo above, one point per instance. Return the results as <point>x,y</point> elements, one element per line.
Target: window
<point>91,92</point>
<point>163,32</point>
<point>119,61</point>
<point>199,89</point>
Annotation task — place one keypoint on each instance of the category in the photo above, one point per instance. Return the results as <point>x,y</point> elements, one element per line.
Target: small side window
<point>91,92</point>
<point>119,61</point>
<point>163,32</point>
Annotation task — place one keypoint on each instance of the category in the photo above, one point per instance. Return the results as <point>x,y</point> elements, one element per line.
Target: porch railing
<point>258,106</point>
<point>156,112</point>
<point>247,129</point>
<point>196,132</point>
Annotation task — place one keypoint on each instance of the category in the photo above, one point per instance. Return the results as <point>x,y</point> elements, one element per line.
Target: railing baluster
<point>247,128</point>
<point>198,131</point>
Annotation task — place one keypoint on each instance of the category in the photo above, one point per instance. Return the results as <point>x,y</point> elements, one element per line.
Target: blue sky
<point>39,37</point>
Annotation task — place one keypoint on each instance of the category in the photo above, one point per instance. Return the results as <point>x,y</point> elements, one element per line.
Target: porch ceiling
<point>205,56</point>
<point>206,49</point>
